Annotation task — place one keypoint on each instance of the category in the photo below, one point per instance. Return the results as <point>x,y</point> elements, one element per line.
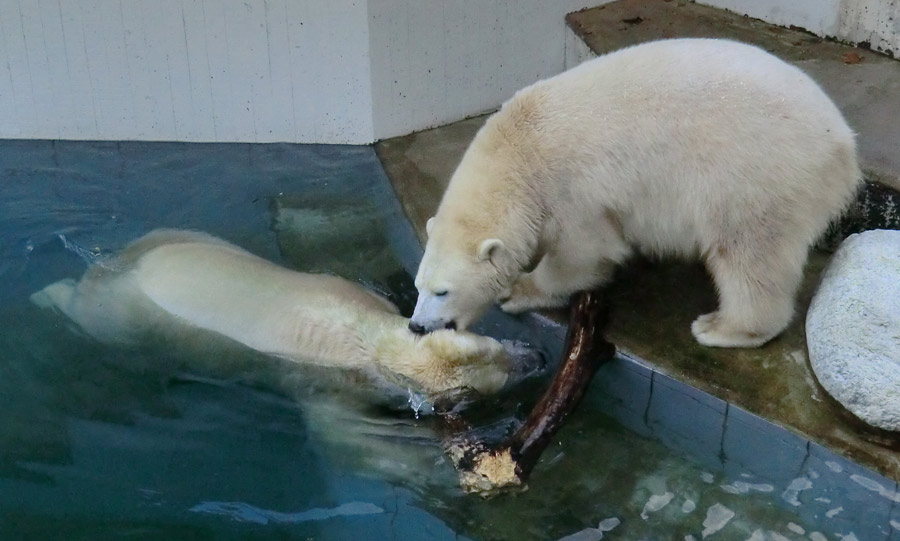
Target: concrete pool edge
<point>725,437</point>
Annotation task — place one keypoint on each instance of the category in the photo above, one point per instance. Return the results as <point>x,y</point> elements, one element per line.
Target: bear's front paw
<point>712,330</point>
<point>517,305</point>
<point>524,295</point>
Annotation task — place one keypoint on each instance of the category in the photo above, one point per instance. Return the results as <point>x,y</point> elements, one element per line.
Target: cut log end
<point>489,469</point>
<point>483,470</point>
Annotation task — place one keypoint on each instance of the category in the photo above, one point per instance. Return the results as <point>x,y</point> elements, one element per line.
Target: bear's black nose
<point>451,326</point>
<point>416,328</point>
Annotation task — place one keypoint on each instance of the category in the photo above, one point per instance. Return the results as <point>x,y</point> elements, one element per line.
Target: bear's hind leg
<point>756,297</point>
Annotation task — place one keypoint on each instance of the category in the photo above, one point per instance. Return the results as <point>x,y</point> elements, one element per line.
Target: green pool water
<point>98,442</point>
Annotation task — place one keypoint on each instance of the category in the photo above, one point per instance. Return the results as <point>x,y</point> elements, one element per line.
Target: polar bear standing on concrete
<point>691,147</point>
<point>184,286</point>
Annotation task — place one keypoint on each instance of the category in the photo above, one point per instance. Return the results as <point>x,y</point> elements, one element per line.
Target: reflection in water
<point>248,513</point>
<point>102,442</point>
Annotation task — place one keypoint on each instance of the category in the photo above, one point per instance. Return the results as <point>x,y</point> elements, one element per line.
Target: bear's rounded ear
<point>429,225</point>
<point>488,248</point>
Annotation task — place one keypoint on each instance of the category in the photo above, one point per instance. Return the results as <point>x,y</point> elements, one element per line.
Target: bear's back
<point>686,139</point>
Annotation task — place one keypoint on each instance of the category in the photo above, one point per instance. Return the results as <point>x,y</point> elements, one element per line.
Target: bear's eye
<point>441,293</point>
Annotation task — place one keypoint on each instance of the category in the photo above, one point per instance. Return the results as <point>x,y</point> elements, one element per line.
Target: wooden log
<point>488,468</point>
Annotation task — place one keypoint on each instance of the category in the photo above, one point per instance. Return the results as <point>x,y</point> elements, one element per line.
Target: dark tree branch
<point>489,468</point>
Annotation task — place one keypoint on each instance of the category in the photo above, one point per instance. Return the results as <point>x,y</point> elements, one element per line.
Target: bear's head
<point>457,280</point>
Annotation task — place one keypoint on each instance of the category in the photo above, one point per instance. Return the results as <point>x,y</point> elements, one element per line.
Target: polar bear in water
<point>174,284</point>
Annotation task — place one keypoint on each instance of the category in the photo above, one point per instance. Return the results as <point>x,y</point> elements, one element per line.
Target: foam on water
<point>593,534</point>
<point>717,517</point>
<point>794,489</point>
<point>655,503</point>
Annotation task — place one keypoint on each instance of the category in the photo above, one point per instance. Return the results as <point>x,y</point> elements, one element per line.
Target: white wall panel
<point>18,84</point>
<point>39,83</point>
<point>198,94</point>
<point>186,70</point>
<point>77,75</point>
<point>332,71</point>
<point>436,62</point>
<point>817,16</point>
<point>874,21</point>
<point>108,66</point>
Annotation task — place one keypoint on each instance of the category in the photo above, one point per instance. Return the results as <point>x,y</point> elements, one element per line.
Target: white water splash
<point>717,517</point>
<point>707,477</point>
<point>244,512</point>
<point>817,536</point>
<point>655,503</point>
<point>688,506</point>
<point>794,489</point>
<point>834,466</point>
<point>833,512</point>
<point>93,256</point>
<point>796,528</point>
<point>418,403</point>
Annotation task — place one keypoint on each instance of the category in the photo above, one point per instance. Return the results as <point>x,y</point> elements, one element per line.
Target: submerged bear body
<point>175,286</point>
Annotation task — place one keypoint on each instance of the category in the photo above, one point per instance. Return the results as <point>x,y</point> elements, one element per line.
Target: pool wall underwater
<point>90,449</point>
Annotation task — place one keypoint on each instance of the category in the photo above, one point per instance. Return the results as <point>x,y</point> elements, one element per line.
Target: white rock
<point>853,328</point>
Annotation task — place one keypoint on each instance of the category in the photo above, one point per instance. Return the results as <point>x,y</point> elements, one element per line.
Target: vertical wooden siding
<point>185,70</point>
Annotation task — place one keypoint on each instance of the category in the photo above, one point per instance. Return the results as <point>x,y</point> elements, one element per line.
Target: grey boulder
<point>853,328</point>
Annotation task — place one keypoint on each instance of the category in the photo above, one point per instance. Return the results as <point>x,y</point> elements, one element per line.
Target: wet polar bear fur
<point>175,283</point>
<point>695,148</point>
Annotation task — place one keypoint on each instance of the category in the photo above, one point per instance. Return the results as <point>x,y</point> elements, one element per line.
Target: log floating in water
<point>488,468</point>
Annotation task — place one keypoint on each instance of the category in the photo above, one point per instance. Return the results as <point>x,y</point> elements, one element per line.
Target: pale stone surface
<point>853,328</point>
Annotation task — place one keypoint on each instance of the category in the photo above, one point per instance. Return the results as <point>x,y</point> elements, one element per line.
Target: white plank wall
<point>185,70</point>
<point>309,71</point>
